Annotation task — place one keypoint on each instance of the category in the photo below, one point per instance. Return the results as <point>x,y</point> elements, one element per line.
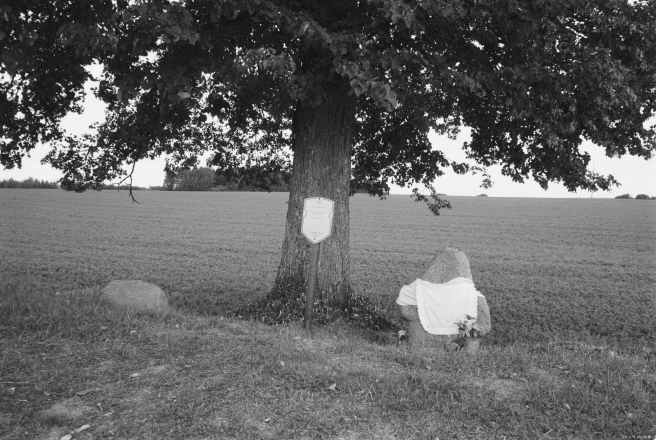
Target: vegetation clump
<point>643,197</point>
<point>286,304</point>
<point>201,179</point>
<point>624,196</point>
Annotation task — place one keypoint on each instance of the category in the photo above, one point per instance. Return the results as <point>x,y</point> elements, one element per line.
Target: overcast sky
<point>636,175</point>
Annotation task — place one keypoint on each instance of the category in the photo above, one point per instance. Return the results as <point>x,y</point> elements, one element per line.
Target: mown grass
<point>185,376</point>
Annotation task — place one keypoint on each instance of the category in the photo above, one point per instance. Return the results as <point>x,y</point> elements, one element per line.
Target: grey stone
<point>483,318</point>
<point>417,336</point>
<point>135,295</point>
<point>447,264</point>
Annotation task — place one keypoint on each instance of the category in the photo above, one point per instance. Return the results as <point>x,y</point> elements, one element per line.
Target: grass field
<point>570,283</point>
<point>547,266</point>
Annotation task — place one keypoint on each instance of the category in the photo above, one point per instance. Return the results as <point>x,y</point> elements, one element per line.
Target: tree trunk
<point>321,168</point>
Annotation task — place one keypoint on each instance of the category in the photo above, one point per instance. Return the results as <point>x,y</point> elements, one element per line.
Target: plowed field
<point>548,267</point>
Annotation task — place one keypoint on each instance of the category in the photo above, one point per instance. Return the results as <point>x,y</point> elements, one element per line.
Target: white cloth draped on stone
<point>440,306</point>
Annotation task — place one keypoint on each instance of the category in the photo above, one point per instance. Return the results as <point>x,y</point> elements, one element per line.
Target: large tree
<point>351,90</point>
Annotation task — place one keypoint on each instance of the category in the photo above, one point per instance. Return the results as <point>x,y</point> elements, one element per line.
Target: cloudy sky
<point>636,175</point>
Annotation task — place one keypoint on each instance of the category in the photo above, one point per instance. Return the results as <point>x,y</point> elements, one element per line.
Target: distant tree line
<point>367,187</point>
<point>236,179</point>
<point>28,183</point>
<point>201,179</point>
<point>117,187</point>
<point>639,197</point>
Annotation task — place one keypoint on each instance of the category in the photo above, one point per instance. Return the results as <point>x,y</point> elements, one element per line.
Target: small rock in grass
<point>135,295</point>
<point>82,428</point>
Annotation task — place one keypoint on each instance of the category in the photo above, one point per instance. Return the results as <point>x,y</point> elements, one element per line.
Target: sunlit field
<point>548,267</point>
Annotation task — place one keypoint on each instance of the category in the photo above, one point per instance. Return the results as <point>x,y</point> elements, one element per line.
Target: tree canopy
<point>531,78</point>
<point>41,79</point>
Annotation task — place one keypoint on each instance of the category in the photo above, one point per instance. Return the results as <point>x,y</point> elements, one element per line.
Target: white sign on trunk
<point>317,219</point>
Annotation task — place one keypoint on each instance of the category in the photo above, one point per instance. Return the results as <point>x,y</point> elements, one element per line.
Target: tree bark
<point>321,168</point>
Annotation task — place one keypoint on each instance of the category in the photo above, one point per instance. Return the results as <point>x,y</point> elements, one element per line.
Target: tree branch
<point>129,176</point>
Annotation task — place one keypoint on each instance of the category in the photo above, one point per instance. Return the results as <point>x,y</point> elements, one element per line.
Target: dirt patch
<point>53,434</point>
<point>5,420</point>
<point>311,344</point>
<point>540,375</point>
<point>155,370</point>
<point>259,428</point>
<point>64,412</point>
<point>504,389</point>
